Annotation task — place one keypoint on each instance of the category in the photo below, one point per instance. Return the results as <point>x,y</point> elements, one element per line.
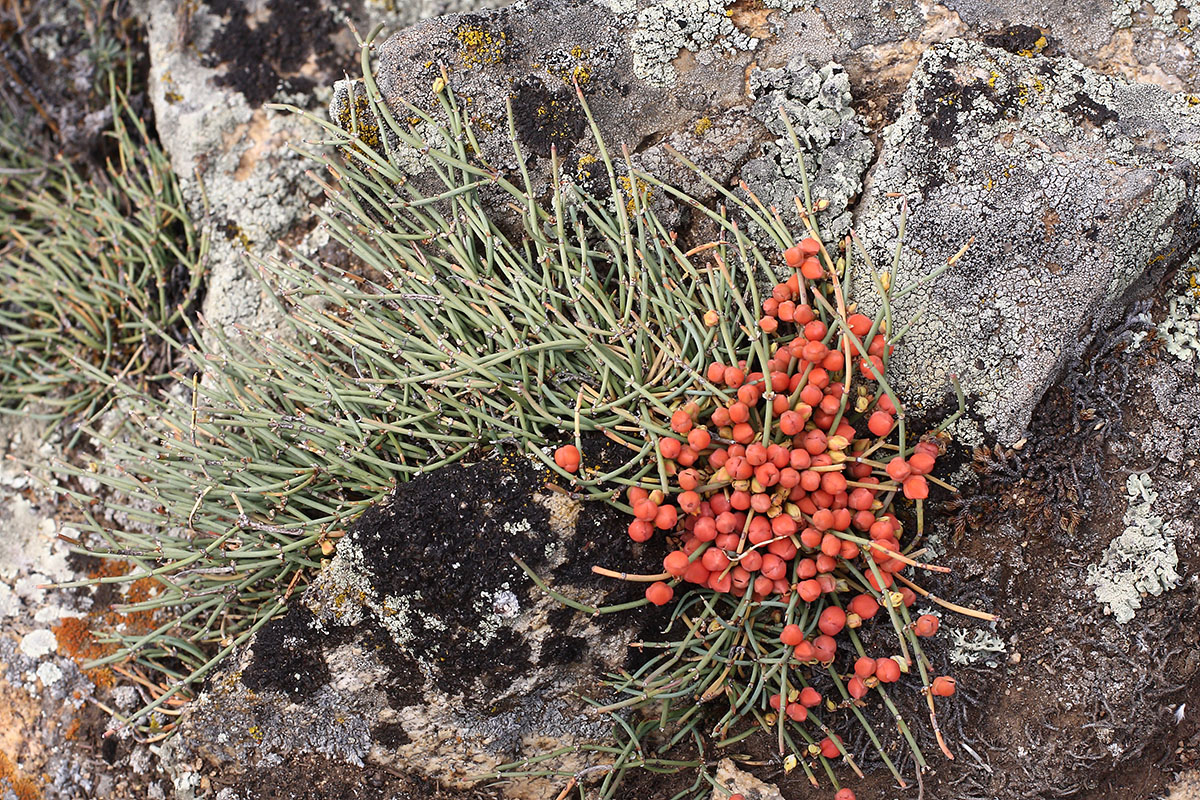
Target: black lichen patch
<point>285,658</point>
<point>546,117</point>
<point>560,648</point>
<point>265,56</point>
<point>946,102</point>
<point>390,735</point>
<point>1085,108</point>
<point>444,543</point>
<point>1022,40</point>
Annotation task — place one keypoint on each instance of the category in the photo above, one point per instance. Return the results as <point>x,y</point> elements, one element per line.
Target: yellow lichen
<point>644,193</point>
<point>478,47</point>
<point>703,126</point>
<point>356,118</point>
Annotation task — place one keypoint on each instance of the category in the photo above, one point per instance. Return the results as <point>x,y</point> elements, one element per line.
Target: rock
<point>737,780</point>
<point>1186,787</point>
<point>1072,184</point>
<point>213,69</point>
<point>716,106</point>
<point>51,743</point>
<point>423,649</point>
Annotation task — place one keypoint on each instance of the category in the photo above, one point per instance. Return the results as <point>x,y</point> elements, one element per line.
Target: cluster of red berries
<point>775,490</point>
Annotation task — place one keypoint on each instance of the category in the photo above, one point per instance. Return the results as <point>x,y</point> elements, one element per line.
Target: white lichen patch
<point>48,673</point>
<point>1180,331</point>
<point>971,646</point>
<point>494,609</point>
<point>342,590</point>
<point>38,643</point>
<point>668,27</point>
<point>1141,561</point>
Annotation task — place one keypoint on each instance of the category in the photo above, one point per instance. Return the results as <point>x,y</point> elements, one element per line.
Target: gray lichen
<point>1163,15</point>
<point>1141,561</point>
<point>1180,331</point>
<point>835,146</point>
<point>973,645</point>
<point>665,28</point>
<point>1072,183</point>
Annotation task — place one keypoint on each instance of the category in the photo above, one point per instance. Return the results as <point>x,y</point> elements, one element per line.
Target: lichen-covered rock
<point>423,648</point>
<point>213,68</point>
<point>1072,185</point>
<point>833,142</point>
<point>531,56</point>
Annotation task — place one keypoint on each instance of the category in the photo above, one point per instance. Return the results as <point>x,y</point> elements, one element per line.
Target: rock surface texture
<point>422,649</point>
<point>1070,185</point>
<point>214,67</point>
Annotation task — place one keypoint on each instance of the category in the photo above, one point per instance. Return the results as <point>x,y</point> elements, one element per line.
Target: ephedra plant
<point>758,433</point>
<point>99,272</point>
<point>782,482</point>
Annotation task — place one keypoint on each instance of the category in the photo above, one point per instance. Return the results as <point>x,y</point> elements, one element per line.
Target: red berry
<point>832,620</point>
<point>921,463</point>
<point>567,457</point>
<point>670,448</point>
<point>915,488</point>
<point>926,625</point>
<point>864,606</point>
<point>640,530</point>
<point>898,469</point>
<point>809,590</point>
<point>646,510</point>
<point>830,748</point>
<point>864,667</point>
<point>942,686</point>
<point>666,517</point>
<point>826,648</point>
<point>880,423</point>
<point>659,593</point>
<point>860,324</point>
<point>844,794</point>
<point>676,563</point>
<point>887,670</point>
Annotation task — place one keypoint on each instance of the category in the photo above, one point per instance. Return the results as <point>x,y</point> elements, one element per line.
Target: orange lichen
<point>12,779</point>
<point>76,641</point>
